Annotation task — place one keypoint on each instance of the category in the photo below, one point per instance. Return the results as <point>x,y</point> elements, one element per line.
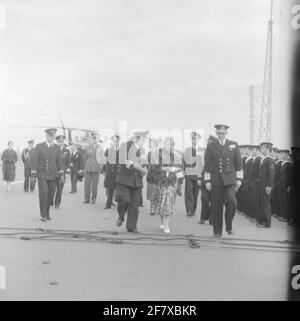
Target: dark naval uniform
<point>245,189</point>
<point>47,164</point>
<point>275,197</point>
<point>193,166</point>
<point>129,184</point>
<point>239,193</point>
<point>254,190</point>
<point>265,179</point>
<point>77,166</point>
<point>284,186</point>
<point>59,186</point>
<point>27,157</point>
<point>223,167</point>
<point>111,171</point>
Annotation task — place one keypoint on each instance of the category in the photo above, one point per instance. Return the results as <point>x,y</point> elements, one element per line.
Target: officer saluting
<point>223,176</point>
<point>47,164</point>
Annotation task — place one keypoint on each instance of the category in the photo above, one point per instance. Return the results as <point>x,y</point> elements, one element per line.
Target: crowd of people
<point>254,181</point>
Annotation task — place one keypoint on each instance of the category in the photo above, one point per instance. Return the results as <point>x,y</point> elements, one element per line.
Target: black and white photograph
<point>149,152</point>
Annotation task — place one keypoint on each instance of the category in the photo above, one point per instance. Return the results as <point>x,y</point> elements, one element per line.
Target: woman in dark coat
<point>9,159</point>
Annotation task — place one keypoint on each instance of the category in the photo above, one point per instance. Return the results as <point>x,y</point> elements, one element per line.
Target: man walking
<point>47,164</point>
<point>223,177</point>
<point>129,182</point>
<point>27,157</point>
<point>77,166</point>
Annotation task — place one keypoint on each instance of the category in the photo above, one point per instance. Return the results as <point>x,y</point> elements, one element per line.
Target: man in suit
<point>66,156</point>
<point>94,160</point>
<point>77,166</point>
<point>223,177</point>
<point>27,156</point>
<point>265,185</point>
<point>129,182</point>
<point>193,167</point>
<point>111,169</point>
<point>205,194</point>
<point>47,164</point>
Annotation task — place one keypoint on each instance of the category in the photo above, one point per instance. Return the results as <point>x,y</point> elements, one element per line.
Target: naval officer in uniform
<point>223,177</point>
<point>47,164</point>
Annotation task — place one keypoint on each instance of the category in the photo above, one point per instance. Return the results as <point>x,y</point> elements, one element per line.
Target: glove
<point>208,186</point>
<point>68,171</point>
<point>238,185</point>
<point>62,180</point>
<point>268,190</point>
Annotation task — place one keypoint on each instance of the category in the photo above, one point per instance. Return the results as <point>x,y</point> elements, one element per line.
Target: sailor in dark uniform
<point>47,164</point>
<point>193,167</point>
<point>27,156</point>
<point>254,190</point>
<point>129,182</point>
<point>239,194</point>
<point>223,176</point>
<point>284,186</point>
<point>245,189</point>
<point>275,196</point>
<point>111,169</point>
<point>265,185</point>
<point>66,156</point>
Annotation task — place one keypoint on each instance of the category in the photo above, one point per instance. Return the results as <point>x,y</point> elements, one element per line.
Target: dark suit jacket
<point>223,164</point>
<point>111,167</point>
<point>193,162</point>
<point>47,162</point>
<point>66,156</point>
<point>77,162</point>
<point>129,177</point>
<point>27,157</point>
<point>267,172</point>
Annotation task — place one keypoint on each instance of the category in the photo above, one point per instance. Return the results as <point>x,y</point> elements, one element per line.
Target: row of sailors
<point>271,168</point>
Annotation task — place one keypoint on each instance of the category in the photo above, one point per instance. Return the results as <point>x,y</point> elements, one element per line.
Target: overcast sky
<point>155,64</point>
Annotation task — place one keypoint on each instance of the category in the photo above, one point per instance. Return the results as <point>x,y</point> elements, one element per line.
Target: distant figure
<point>94,160</point>
<point>168,175</point>
<point>47,164</point>
<point>111,170</point>
<point>9,158</point>
<point>66,157</point>
<point>27,157</point>
<point>77,166</point>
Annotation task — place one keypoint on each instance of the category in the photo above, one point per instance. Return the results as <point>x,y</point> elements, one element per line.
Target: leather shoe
<point>133,231</point>
<point>86,202</point>
<point>230,232</point>
<point>202,222</point>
